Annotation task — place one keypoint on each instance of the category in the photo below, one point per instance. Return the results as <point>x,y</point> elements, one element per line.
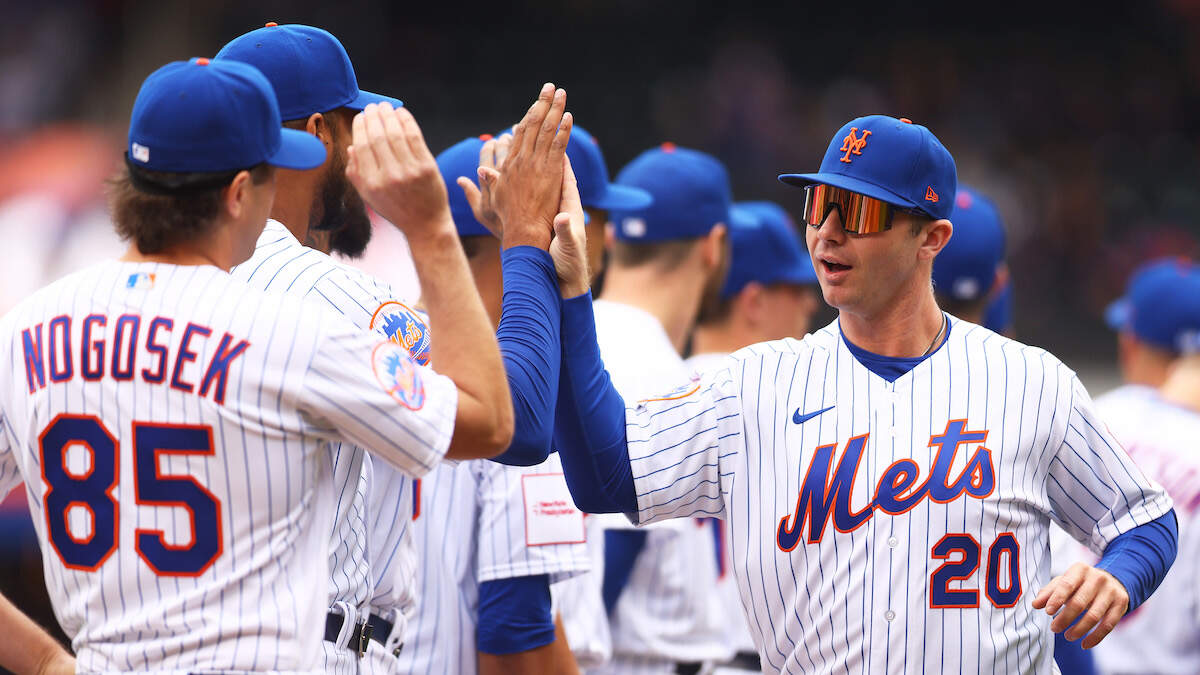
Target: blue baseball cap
<point>690,192</point>
<point>462,159</point>
<point>595,190</point>
<point>308,67</point>
<point>965,269</point>
<point>202,116</point>
<point>890,159</point>
<point>1161,305</point>
<point>766,248</point>
<point>998,315</point>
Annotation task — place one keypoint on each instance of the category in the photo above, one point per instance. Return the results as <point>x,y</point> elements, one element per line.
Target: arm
<point>395,173</point>
<point>516,630</point>
<point>1100,496</point>
<point>26,648</point>
<point>529,336</point>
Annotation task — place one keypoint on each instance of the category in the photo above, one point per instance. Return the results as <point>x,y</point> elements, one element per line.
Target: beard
<point>343,213</point>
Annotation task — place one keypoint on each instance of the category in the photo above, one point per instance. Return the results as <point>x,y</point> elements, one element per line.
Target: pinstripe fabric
<point>667,612</point>
<point>305,379</point>
<point>860,600</point>
<point>580,604</point>
<point>371,553</point>
<point>1160,635</point>
<point>472,528</point>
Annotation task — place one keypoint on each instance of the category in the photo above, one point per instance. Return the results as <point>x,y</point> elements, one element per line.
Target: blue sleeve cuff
<point>529,335</point>
<point>1071,657</point>
<point>1140,558</point>
<point>589,424</point>
<point>514,615</point>
<point>621,549</point>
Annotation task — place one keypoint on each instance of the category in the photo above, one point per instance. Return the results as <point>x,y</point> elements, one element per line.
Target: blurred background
<point>1081,121</point>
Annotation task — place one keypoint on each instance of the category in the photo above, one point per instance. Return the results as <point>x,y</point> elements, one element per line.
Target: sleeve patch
<point>398,375</point>
<point>550,513</point>
<point>404,326</point>
<point>682,391</point>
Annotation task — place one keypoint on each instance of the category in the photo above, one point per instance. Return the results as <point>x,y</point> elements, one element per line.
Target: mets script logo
<point>853,144</point>
<point>398,375</point>
<point>823,495</point>
<point>404,326</point>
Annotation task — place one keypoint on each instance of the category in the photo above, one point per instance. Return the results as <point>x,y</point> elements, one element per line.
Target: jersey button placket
<point>889,615</point>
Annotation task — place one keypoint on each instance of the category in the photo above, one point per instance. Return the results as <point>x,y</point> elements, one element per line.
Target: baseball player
<point>889,480</point>
<point>1159,317</point>
<point>578,600</point>
<point>968,272</point>
<point>172,424</point>
<point>667,262</point>
<point>372,556</point>
<point>485,592</point>
<point>770,294</point>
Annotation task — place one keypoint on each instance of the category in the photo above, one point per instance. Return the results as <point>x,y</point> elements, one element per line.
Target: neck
<point>722,337</point>
<point>183,254</point>
<point>1182,386</point>
<point>294,206</point>
<point>673,299</point>
<point>904,328</point>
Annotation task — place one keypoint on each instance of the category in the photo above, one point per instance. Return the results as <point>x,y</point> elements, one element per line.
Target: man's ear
<point>750,304</point>
<point>319,125</point>
<point>235,195</point>
<point>934,237</point>
<point>715,244</point>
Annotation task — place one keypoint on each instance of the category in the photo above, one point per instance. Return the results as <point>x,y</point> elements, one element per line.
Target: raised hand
<point>395,173</point>
<point>528,190</point>
<point>491,159</point>
<point>569,248</point>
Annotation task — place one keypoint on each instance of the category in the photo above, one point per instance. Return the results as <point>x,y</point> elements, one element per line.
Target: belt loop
<point>349,623</point>
<point>395,640</point>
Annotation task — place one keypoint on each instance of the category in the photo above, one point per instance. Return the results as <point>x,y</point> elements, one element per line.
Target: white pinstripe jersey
<point>737,632</point>
<point>940,487</point>
<point>579,601</point>
<point>1160,636</point>
<point>363,544</point>
<point>668,611</point>
<point>481,521</point>
<point>172,425</point>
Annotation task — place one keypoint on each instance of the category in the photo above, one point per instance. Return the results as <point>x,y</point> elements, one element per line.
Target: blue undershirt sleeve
<point>514,615</point>
<point>1071,657</point>
<point>1140,558</point>
<point>621,549</point>
<point>589,420</point>
<point>529,332</point>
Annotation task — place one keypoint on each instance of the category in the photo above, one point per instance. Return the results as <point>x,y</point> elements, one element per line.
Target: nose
<point>831,229</point>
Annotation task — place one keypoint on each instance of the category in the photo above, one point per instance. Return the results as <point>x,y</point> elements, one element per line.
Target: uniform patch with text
<point>550,513</point>
<point>404,326</point>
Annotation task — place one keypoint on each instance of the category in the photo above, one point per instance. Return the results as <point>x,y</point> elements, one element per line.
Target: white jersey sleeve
<point>372,393</point>
<point>10,472</point>
<point>1096,492</point>
<point>528,524</point>
<point>679,444</point>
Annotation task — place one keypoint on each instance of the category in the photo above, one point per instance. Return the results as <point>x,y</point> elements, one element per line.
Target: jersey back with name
<point>172,428</point>
<point>891,527</point>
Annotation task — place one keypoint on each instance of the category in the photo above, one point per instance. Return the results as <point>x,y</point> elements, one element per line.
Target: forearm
<point>26,647</point>
<point>516,629</point>
<point>529,337</point>
<point>465,349</point>
<point>589,421</point>
<point>1141,557</point>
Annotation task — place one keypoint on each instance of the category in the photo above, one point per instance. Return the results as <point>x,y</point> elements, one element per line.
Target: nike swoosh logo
<point>801,419</point>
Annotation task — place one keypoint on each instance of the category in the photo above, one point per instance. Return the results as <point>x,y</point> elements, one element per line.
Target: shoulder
<point>820,344</point>
<point>974,342</point>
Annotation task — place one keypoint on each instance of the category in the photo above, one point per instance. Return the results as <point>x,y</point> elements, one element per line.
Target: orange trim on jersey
<point>107,492</point>
<point>676,397</point>
<point>67,522</point>
<point>1011,580</point>
<point>161,534</point>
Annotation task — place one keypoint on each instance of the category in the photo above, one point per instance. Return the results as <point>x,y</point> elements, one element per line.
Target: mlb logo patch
<point>140,281</point>
<point>398,375</point>
<point>634,227</point>
<point>404,326</point>
<point>140,153</point>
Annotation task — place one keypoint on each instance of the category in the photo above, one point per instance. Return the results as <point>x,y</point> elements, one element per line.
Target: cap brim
<point>299,150</point>
<point>366,98</point>
<point>848,183</point>
<point>1117,314</point>
<point>621,198</point>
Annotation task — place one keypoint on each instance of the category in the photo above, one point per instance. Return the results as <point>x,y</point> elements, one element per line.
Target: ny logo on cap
<point>853,143</point>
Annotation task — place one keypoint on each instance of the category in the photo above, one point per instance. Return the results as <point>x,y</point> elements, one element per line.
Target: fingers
<point>488,177</point>
<point>360,150</point>
<point>503,148</point>
<point>394,132</point>
<point>1080,606</point>
<point>477,200</point>
<point>551,122</point>
<point>563,134</point>
<point>525,136</point>
<point>1107,624</point>
<point>1064,588</point>
<point>377,138</point>
<point>569,202</point>
<point>487,153</point>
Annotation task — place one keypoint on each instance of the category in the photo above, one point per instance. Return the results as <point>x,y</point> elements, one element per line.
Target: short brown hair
<point>155,222</point>
<point>666,254</point>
